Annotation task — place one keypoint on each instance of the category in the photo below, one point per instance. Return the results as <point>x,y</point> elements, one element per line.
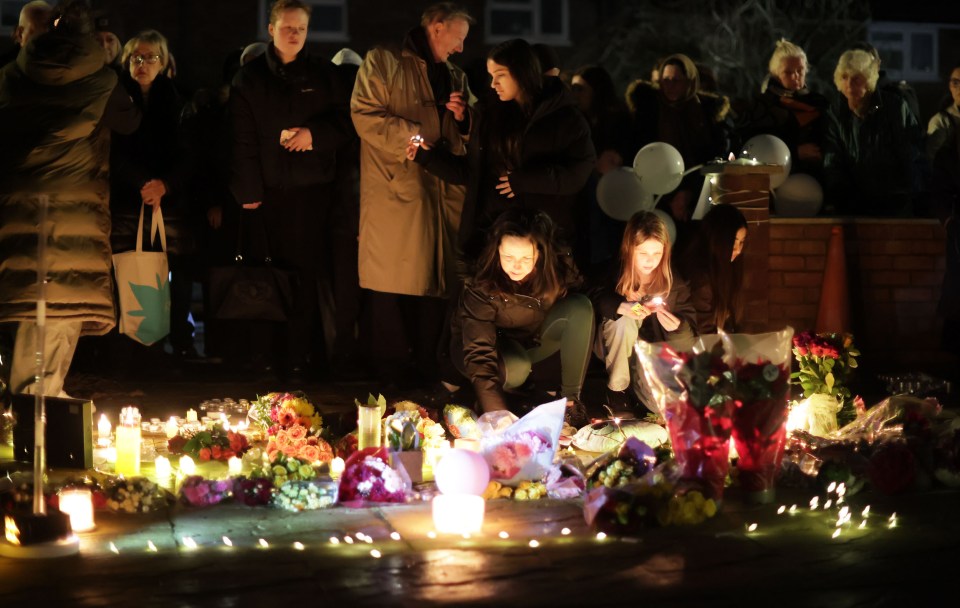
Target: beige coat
<point>408,218</point>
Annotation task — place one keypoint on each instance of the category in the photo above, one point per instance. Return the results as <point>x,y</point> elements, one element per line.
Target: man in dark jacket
<point>57,105</point>
<point>34,20</point>
<point>289,117</point>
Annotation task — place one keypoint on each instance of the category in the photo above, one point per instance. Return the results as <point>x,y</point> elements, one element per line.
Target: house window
<point>328,20</point>
<point>545,21</point>
<point>10,15</point>
<point>908,51</point>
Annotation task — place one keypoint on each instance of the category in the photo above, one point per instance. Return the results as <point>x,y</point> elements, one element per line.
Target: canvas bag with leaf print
<point>144,287</point>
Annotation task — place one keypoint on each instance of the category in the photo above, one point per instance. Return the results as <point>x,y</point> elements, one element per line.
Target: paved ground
<point>786,560</point>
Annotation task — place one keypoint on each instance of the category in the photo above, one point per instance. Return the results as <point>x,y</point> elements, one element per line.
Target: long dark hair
<point>708,259</point>
<point>605,98</point>
<point>546,281</point>
<point>507,120</point>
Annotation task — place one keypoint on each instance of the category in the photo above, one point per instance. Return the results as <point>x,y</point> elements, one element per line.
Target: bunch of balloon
<point>799,196</point>
<point>620,194</point>
<point>769,150</point>
<point>659,167</point>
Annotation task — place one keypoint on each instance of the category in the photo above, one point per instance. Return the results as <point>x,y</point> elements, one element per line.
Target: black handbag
<point>252,291</point>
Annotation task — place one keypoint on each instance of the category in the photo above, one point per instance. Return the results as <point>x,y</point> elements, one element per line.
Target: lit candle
<point>103,431</point>
<point>128,443</point>
<point>225,421</point>
<point>187,466</point>
<point>78,504</point>
<point>235,466</point>
<point>368,426</point>
<point>172,428</point>
<point>458,513</point>
<point>191,415</point>
<point>336,468</point>
<point>163,469</point>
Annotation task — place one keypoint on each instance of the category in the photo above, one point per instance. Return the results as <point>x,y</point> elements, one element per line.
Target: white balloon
<point>799,196</point>
<point>671,225</point>
<point>462,471</point>
<point>659,167</point>
<point>620,194</point>
<point>770,150</point>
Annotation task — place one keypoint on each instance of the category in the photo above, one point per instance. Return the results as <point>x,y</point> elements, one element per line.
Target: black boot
<point>621,404</point>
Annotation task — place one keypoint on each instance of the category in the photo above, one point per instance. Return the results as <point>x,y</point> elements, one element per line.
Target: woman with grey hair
<point>788,109</point>
<point>872,160</point>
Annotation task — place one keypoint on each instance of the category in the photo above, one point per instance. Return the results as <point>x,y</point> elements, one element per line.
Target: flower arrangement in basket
<point>274,412</point>
<point>825,361</point>
<point>213,443</point>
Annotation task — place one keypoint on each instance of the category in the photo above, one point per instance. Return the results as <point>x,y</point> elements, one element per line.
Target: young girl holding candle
<point>518,310</point>
<point>645,301</point>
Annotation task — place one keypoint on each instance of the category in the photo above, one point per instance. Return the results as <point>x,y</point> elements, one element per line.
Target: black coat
<point>556,157</point>
<point>483,317</point>
<point>268,97</point>
<point>606,301</point>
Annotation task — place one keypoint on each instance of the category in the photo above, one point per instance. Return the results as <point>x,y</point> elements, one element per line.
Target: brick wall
<point>894,273</point>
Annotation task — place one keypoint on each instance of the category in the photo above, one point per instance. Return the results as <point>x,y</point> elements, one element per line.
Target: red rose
<point>204,454</point>
<point>216,452</point>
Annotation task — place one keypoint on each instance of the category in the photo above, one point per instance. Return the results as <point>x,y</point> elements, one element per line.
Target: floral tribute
<point>253,492</point>
<point>825,361</point>
<point>135,495</point>
<point>213,443</point>
<point>759,424</point>
<point>293,455</point>
<point>511,454</point>
<point>274,412</point>
<point>694,391</point>
<point>199,492</point>
<point>367,476</point>
<point>411,428</point>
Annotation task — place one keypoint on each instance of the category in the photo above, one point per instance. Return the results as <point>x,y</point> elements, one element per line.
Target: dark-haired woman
<point>713,267</point>
<point>518,310</point>
<point>530,148</point>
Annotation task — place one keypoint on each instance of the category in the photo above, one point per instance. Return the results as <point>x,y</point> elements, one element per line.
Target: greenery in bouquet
<point>211,443</point>
<point>276,411</point>
<point>825,361</point>
<point>199,492</point>
<point>135,495</point>
<point>708,380</point>
<point>280,468</point>
<point>617,468</point>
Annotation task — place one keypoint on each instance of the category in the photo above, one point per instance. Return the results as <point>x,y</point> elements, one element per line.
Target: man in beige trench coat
<point>409,218</point>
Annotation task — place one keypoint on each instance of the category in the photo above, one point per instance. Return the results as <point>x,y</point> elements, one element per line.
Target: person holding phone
<point>644,301</point>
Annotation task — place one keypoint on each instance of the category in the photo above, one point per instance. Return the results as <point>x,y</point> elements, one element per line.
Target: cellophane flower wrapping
<point>367,476</point>
<point>522,450</point>
<point>691,383</point>
<point>761,363</point>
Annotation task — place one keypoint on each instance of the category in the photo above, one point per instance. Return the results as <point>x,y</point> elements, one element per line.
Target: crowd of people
<point>443,228</point>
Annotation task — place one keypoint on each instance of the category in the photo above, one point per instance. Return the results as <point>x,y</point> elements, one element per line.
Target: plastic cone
<point>834,312</point>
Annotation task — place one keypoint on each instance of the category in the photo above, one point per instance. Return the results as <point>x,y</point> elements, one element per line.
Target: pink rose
<point>310,453</point>
<point>297,432</point>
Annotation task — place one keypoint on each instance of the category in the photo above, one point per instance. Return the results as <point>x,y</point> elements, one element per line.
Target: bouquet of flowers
<point>253,492</point>
<point>135,495</point>
<point>295,442</point>
<point>213,443</point>
<point>306,495</point>
<point>276,411</point>
<point>825,361</point>
<point>367,476</point>
<point>199,492</point>
<point>762,370</point>
<point>694,390</point>
<point>461,421</point>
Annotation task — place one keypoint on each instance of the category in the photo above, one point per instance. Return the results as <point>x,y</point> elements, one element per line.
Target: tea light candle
<point>128,443</point>
<point>192,415</point>
<point>336,468</point>
<point>103,431</point>
<point>235,466</point>
<point>187,465</point>
<point>78,504</point>
<point>163,469</point>
<point>172,427</point>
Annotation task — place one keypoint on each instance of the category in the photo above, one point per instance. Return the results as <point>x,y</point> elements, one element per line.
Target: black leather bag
<point>252,290</point>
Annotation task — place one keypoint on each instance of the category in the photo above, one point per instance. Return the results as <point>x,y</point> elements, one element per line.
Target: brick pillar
<point>749,192</point>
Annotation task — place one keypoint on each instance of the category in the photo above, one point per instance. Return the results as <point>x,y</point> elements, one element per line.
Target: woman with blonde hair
<point>788,109</point>
<point>644,301</point>
<point>872,160</point>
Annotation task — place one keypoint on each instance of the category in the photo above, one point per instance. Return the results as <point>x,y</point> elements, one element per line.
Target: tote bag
<point>144,287</point>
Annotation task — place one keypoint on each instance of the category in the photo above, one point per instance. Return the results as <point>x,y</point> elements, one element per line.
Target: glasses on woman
<point>139,59</point>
